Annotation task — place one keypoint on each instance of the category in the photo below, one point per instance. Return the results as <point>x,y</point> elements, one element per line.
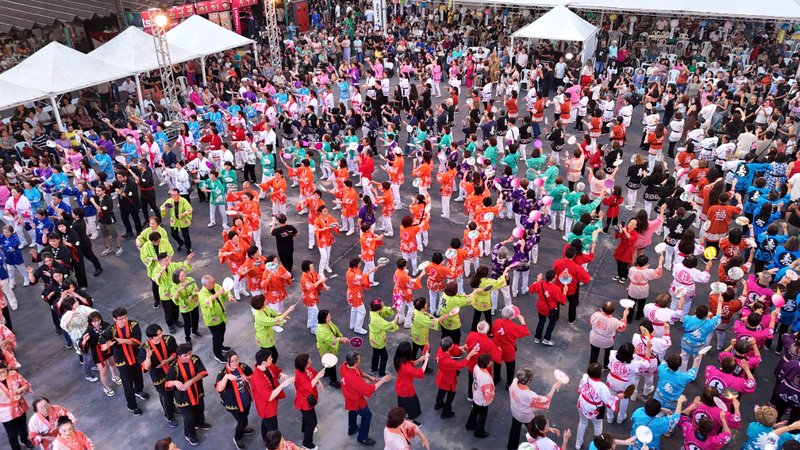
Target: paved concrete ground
<point>54,371</point>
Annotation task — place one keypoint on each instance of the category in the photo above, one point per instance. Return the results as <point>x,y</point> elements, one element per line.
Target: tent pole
<point>54,105</point>
<point>139,92</point>
<point>203,69</point>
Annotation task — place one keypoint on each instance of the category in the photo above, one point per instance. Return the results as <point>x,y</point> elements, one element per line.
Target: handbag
<point>311,400</point>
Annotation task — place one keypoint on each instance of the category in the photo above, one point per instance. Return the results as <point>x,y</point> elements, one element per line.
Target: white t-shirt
<point>795,183</point>
<point>543,443</point>
<point>561,69</point>
<point>482,387</point>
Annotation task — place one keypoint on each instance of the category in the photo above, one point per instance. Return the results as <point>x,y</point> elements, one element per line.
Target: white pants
<point>348,223</point>
<point>311,321</point>
<point>277,307</point>
<point>535,254</point>
<point>687,305</point>
<point>386,224</point>
<point>584,422</point>
<point>257,236</point>
<point>507,212</point>
<point>436,90</point>
<point>357,316</point>
<point>472,262</point>
<point>406,313</point>
<point>91,227</point>
<point>648,208</point>
<point>446,206</point>
<point>631,198</point>
<point>324,258</point>
<point>366,184</point>
<point>12,299</point>
<point>310,236</point>
<point>623,410</point>
<point>411,258</point>
<point>506,290</point>
<point>669,257</point>
<point>278,208</point>
<point>212,214</point>
<point>422,239</point>
<point>652,160</point>
<point>396,194</point>
<point>555,155</point>
<point>486,247</point>
<point>239,285</point>
<point>568,221</point>
<point>435,301</point>
<point>523,149</point>
<point>648,383</point>
<point>20,230</point>
<point>519,285</point>
<point>19,268</point>
<point>369,265</point>
<point>559,218</point>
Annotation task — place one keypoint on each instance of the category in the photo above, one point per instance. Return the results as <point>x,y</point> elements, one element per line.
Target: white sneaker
<point>277,329</point>
<point>360,331</point>
<point>621,418</point>
<point>109,392</point>
<point>33,244</point>
<point>212,224</point>
<point>119,251</point>
<point>117,380</point>
<point>374,283</point>
<point>548,343</point>
<point>351,232</point>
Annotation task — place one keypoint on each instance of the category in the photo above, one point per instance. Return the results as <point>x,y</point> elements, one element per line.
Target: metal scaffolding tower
<point>273,35</point>
<point>170,89</point>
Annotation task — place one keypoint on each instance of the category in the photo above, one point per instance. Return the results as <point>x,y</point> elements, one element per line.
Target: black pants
<point>609,222</point>
<point>782,406</point>
<point>671,149</point>
<point>455,335</point>
<point>80,272</point>
<point>269,424</point>
<point>167,398</point>
<point>510,368</point>
<point>274,351</point>
<point>148,200</point>
<point>477,419</point>
<point>17,431</point>
<point>779,331</point>
<point>379,359</point>
<point>444,400</point>
<point>192,417</point>
<point>132,382</point>
<point>594,355</point>
<point>186,241</point>
<point>241,422</point>
<point>307,425</point>
<point>126,214</point>
<point>415,349</point>
<point>622,269</point>
<point>89,254</point>
<point>551,320</point>
<point>191,320</point>
<point>156,295</point>
<point>330,374</point>
<point>476,318</point>
<point>639,309</point>
<point>250,175</point>
<point>170,312</point>
<point>513,434</point>
<point>286,255</point>
<point>573,302</point>
<point>7,316</point>
<point>217,340</point>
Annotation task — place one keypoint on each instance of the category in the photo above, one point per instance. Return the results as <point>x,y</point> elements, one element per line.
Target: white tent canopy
<point>56,69</point>
<point>135,51</point>
<point>202,37</point>
<point>561,24</point>
<point>778,10</point>
<point>13,94</point>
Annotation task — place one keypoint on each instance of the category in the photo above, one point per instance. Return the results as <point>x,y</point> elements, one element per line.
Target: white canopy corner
<point>135,51</point>
<point>12,94</point>
<point>203,37</point>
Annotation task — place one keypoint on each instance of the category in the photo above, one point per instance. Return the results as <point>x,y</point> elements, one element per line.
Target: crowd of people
<point>544,144</point>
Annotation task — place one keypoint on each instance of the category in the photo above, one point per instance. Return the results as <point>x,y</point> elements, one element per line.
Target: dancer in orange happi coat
<point>423,172</point>
<point>305,179</point>
<point>403,292</point>
<point>252,270</point>
<point>349,204</point>
<point>274,281</point>
<point>386,200</point>
<point>234,253</point>
<point>311,204</point>
<point>396,176</point>
<point>249,208</point>
<point>277,184</point>
<point>324,227</point>
<point>357,281</point>
<point>446,179</point>
<point>369,244</point>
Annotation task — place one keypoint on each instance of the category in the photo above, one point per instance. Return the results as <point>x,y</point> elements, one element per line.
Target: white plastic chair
<point>672,57</point>
<point>184,84</point>
<point>524,78</point>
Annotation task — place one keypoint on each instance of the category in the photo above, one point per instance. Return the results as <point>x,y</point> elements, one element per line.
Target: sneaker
<point>108,391</point>
<point>277,329</point>
<point>374,283</point>
<point>91,379</point>
<point>205,426</point>
<point>310,448</point>
<point>547,342</point>
<point>192,441</point>
<point>117,380</point>
<point>349,233</point>
<point>143,395</point>
<point>621,418</point>
<point>368,442</point>
<point>238,444</point>
<point>219,360</point>
<point>212,225</point>
<point>135,411</point>
<point>105,252</point>
<point>615,278</point>
<point>536,340</point>
<point>171,422</point>
<point>374,373</point>
<point>68,345</point>
<point>448,414</point>
<point>119,251</point>
<point>360,331</point>
<point>623,280</point>
<point>249,431</point>
<point>97,272</point>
